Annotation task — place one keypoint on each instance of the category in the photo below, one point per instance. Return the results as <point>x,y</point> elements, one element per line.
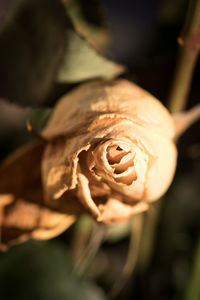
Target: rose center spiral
<point>115,154</point>
<point>122,162</point>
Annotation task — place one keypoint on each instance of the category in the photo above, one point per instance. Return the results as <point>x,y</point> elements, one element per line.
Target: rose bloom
<point>110,146</point>
<point>109,151</point>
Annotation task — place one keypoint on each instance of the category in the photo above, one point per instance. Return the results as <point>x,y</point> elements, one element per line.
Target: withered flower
<point>112,145</point>
<point>110,152</point>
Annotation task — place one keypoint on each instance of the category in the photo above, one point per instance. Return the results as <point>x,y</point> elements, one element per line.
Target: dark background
<point>143,36</point>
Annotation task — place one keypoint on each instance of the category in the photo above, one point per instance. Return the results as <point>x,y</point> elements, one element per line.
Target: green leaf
<point>39,117</point>
<point>82,62</point>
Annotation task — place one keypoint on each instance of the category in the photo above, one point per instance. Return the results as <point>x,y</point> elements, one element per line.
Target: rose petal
<point>115,211</point>
<point>126,161</point>
<point>127,177</point>
<point>61,156</point>
<point>85,195</point>
<point>114,155</point>
<point>52,224</point>
<point>119,97</point>
<point>24,214</point>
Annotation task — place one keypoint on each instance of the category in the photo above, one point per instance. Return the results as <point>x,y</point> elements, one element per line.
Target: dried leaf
<point>23,211</point>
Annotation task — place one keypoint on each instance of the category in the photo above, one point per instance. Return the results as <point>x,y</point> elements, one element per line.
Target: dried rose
<point>112,145</point>
<point>109,152</point>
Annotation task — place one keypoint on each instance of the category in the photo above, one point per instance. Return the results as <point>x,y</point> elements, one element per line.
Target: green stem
<point>134,247</point>
<point>81,236</point>
<point>189,44</point>
<point>148,235</point>
<point>182,81</point>
<point>133,253</point>
<point>189,47</point>
<point>90,249</point>
<point>193,291</point>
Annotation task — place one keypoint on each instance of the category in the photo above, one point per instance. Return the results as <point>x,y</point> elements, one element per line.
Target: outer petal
<point>115,211</point>
<point>162,172</point>
<point>23,213</point>
<point>85,195</point>
<point>111,210</point>
<point>80,107</point>
<point>162,161</point>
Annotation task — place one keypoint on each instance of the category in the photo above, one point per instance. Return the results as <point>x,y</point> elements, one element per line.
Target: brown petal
<point>52,223</point>
<point>115,211</point>
<point>23,211</point>
<point>61,156</point>
<point>85,195</point>
<point>120,97</point>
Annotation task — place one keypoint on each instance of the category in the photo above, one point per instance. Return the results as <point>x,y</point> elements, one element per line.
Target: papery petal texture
<point>111,145</point>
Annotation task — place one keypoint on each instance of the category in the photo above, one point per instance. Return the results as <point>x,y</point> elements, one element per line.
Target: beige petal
<point>118,98</point>
<point>61,156</point>
<point>52,224</point>
<point>162,155</point>
<point>126,161</point>
<point>85,195</point>
<point>23,220</point>
<point>130,183</point>
<point>115,211</point>
<point>159,149</point>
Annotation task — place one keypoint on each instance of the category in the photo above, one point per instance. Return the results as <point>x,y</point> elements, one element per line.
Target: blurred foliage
<point>89,19</point>
<point>193,291</point>
<point>5,7</point>
<point>39,117</point>
<point>38,38</point>
<point>85,64</point>
<point>32,44</point>
<point>117,232</point>
<point>91,11</point>
<point>42,270</point>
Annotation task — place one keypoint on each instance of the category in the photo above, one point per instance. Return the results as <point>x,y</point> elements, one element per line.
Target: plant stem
<point>193,290</point>
<point>90,249</point>
<point>81,236</point>
<point>135,241</point>
<point>133,253</point>
<point>151,218</point>
<point>189,47</point>
<point>189,44</point>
